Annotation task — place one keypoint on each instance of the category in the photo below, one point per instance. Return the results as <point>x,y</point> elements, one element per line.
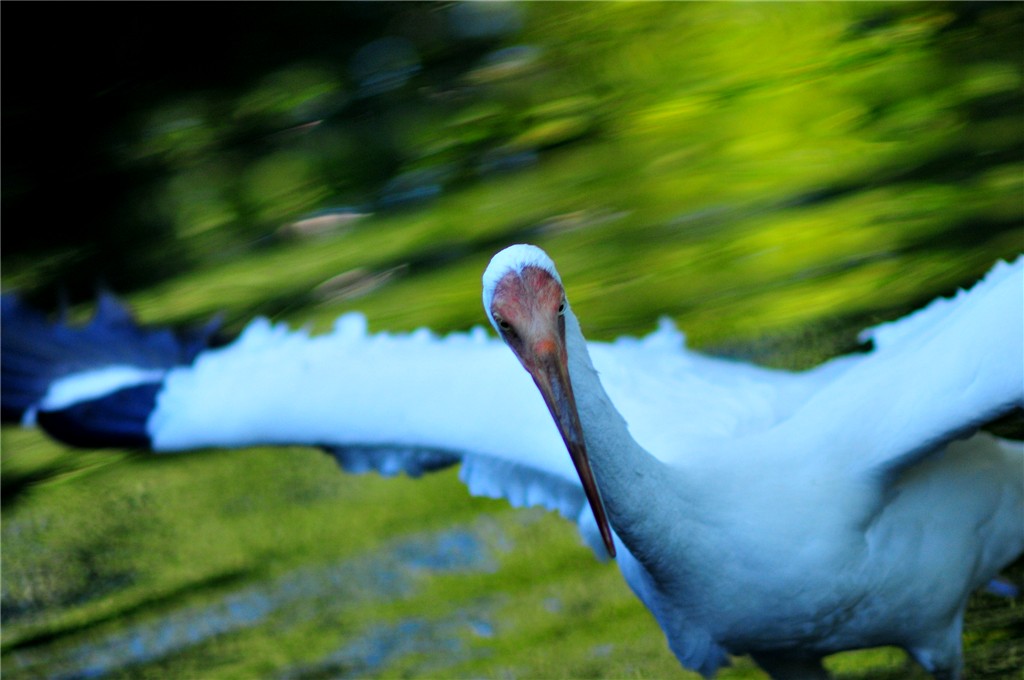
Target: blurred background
<point>774,177</point>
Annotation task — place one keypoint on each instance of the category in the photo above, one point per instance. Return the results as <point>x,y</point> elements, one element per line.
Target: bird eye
<point>502,324</point>
<point>561,307</point>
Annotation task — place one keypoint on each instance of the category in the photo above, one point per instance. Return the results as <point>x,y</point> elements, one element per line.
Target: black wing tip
<point>116,420</point>
<point>36,351</point>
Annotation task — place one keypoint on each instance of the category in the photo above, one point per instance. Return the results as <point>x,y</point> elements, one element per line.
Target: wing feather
<point>935,376</point>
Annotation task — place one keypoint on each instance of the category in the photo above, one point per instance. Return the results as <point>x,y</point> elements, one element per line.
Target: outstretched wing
<point>409,403</point>
<point>934,376</point>
<point>391,403</point>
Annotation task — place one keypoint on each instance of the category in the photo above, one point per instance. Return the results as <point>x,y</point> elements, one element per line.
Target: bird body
<point>756,568</point>
<point>849,523</point>
<point>783,514</point>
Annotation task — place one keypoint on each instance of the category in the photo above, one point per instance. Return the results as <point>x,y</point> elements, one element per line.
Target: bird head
<point>525,302</point>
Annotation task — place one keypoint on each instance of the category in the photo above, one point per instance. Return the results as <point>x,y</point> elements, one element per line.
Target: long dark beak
<point>551,374</point>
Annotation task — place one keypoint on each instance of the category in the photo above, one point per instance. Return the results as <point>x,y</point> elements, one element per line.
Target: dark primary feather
<point>114,420</point>
<point>35,351</point>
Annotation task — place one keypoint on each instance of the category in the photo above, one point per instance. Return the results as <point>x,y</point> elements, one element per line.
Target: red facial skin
<point>528,307</point>
<point>528,303</point>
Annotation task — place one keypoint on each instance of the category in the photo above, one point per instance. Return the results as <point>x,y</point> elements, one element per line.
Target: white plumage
<point>808,512</point>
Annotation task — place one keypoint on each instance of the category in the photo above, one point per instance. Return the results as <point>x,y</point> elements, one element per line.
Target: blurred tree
<point>110,100</point>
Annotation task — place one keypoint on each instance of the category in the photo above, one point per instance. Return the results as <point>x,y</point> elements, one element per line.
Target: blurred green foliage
<point>884,126</point>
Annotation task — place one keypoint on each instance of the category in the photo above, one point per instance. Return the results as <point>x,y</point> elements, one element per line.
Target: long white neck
<point>632,482</point>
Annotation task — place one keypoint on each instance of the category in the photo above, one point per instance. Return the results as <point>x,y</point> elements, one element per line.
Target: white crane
<point>849,523</point>
<point>791,486</point>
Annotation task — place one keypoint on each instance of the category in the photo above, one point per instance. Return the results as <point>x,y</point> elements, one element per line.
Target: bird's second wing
<point>936,375</point>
